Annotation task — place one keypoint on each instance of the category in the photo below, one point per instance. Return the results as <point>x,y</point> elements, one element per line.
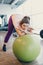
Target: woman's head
<point>25,22</point>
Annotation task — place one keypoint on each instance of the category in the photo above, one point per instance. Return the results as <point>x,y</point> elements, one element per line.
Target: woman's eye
<point>24,25</point>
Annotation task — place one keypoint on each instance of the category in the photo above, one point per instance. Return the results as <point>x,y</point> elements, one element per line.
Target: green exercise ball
<point>25,48</point>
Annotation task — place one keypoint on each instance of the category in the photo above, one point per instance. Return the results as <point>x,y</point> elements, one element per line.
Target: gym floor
<point>7,58</point>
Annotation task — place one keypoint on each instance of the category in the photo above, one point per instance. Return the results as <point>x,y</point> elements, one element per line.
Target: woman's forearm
<point>20,32</point>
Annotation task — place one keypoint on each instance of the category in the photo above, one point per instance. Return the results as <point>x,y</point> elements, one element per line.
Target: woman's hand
<point>30,29</point>
<point>20,32</point>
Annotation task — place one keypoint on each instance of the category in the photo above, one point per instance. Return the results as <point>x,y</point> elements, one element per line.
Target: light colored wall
<point>32,8</point>
<point>6,10</point>
<point>24,9</point>
<point>37,14</point>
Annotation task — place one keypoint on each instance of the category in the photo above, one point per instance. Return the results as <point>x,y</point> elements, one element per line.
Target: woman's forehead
<point>25,24</point>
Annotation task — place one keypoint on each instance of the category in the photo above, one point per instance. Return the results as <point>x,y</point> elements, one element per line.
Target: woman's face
<point>24,26</point>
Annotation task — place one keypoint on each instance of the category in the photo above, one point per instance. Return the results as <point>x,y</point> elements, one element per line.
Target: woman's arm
<point>30,29</point>
<point>20,32</point>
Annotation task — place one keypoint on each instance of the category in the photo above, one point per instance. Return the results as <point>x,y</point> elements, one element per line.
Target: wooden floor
<point>7,58</point>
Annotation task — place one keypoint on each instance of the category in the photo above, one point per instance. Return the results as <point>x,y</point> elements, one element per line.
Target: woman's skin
<point>14,23</point>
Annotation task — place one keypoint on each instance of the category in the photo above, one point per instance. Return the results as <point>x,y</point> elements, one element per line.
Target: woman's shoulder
<point>15,14</point>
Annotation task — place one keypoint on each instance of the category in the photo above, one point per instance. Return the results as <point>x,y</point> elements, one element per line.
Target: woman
<point>19,23</point>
